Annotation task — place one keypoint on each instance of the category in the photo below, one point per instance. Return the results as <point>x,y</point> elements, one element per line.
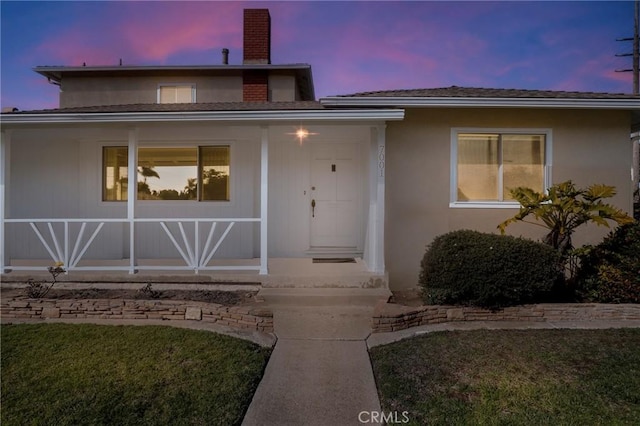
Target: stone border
<point>240,317</point>
<point>392,317</point>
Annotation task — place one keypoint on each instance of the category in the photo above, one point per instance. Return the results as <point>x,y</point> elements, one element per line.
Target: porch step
<point>363,281</point>
<point>298,297</point>
<point>323,252</point>
<point>304,273</point>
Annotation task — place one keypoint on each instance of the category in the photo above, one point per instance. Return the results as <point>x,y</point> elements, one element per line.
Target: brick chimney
<point>257,37</point>
<point>255,86</point>
<point>256,51</point>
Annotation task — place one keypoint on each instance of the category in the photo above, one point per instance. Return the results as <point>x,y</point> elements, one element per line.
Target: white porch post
<point>132,191</point>
<point>5,139</point>
<point>374,256</point>
<point>264,200</point>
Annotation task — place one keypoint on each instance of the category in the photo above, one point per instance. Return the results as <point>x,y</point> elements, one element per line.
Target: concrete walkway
<point>319,372</point>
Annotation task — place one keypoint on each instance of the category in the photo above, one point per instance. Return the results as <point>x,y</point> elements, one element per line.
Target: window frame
<point>176,85</point>
<point>160,144</point>
<point>456,131</point>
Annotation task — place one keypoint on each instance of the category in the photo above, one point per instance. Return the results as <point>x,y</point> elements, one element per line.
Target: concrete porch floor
<point>283,273</point>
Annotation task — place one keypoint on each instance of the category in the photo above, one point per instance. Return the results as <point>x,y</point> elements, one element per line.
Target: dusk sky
<point>352,46</point>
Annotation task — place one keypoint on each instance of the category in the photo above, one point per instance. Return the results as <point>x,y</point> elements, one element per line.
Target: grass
<point>513,377</point>
<point>81,374</point>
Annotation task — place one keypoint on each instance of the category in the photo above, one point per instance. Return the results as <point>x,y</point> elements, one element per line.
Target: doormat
<point>334,260</point>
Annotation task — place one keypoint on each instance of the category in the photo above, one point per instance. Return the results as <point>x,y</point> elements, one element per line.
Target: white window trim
<point>193,90</point>
<point>453,192</point>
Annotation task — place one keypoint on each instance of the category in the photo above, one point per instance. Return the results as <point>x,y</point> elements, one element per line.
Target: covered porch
<point>53,209</point>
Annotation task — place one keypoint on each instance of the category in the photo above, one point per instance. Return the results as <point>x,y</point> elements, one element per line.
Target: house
<point>228,169</point>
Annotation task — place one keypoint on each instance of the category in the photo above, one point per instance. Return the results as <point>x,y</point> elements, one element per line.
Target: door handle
<point>313,208</point>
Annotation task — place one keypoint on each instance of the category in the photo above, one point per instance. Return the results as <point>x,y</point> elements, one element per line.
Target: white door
<point>335,198</point>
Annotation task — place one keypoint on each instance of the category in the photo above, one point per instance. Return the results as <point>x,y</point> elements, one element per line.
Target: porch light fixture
<point>301,134</point>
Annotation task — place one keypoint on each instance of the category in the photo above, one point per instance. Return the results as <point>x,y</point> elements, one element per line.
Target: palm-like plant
<point>565,208</point>
<point>147,172</point>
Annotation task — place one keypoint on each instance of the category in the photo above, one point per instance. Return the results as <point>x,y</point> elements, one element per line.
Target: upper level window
<point>487,164</point>
<point>185,173</point>
<point>176,94</point>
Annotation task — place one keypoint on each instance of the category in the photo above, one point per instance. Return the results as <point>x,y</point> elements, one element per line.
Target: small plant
<point>39,289</point>
<point>564,209</point>
<point>149,292</point>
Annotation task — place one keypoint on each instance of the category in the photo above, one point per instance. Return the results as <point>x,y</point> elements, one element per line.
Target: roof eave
<point>275,116</point>
<point>57,71</point>
<point>50,75</point>
<point>475,102</point>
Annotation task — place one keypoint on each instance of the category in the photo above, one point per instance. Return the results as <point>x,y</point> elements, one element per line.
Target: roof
<point>183,107</point>
<point>380,104</point>
<point>474,97</point>
<point>477,92</point>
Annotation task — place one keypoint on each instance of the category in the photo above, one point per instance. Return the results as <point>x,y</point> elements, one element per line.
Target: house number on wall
<point>381,161</point>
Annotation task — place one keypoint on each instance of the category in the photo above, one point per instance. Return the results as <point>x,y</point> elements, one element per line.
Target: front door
<point>335,196</point>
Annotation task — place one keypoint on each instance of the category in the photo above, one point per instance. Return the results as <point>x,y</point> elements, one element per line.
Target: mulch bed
<point>221,297</point>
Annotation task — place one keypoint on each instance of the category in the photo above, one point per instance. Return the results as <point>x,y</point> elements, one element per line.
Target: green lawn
<point>81,374</point>
<point>513,377</point>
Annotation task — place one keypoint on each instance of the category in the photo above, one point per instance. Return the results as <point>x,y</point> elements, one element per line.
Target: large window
<point>489,164</point>
<point>176,94</point>
<point>185,173</point>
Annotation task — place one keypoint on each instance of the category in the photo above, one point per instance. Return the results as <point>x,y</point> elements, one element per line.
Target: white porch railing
<point>197,256</point>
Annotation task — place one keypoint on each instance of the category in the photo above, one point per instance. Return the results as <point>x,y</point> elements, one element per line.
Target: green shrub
<point>610,271</point>
<point>487,270</point>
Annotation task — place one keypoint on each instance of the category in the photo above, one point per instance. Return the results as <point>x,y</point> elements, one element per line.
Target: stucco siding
<point>90,91</point>
<point>587,147</point>
<point>282,88</point>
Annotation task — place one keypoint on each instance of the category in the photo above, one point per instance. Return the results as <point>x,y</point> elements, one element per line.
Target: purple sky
<point>352,46</point>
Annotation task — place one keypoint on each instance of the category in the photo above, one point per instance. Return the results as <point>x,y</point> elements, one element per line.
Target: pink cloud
<point>140,32</point>
<point>185,26</point>
<point>407,53</point>
<point>602,68</point>
<point>74,48</point>
<point>286,21</point>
